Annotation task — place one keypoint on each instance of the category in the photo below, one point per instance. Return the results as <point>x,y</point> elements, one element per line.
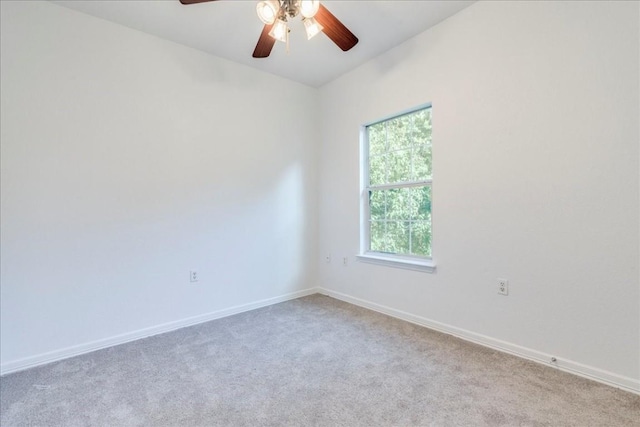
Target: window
<point>396,191</point>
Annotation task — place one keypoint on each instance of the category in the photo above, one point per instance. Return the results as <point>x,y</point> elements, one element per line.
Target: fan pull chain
<point>288,31</point>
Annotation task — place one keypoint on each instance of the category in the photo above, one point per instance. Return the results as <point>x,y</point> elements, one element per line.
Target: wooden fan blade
<point>265,43</point>
<point>335,30</point>
<point>194,1</point>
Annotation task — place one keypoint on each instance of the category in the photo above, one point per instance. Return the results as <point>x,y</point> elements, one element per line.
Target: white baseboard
<point>590,372</point>
<point>76,350</point>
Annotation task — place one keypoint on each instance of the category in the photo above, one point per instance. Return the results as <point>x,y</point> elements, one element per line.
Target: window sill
<point>427,266</point>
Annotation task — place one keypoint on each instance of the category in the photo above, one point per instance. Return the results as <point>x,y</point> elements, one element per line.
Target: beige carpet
<point>314,361</point>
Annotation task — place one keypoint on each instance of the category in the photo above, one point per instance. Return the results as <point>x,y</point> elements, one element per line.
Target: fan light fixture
<point>268,11</point>
<point>309,8</point>
<point>280,31</point>
<point>276,12</point>
<point>312,27</point>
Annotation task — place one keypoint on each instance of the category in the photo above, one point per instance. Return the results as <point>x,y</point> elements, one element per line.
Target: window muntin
<point>397,178</point>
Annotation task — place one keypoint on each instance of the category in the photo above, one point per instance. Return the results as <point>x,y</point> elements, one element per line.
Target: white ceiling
<point>230,29</point>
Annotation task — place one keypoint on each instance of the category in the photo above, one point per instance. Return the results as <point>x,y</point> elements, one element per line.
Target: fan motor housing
<point>291,8</point>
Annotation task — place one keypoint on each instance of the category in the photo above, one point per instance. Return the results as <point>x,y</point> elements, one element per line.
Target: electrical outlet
<point>193,276</point>
<point>503,286</point>
<point>327,258</point>
<point>345,261</point>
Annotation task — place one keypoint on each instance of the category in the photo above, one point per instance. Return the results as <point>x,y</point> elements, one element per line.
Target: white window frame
<point>411,262</point>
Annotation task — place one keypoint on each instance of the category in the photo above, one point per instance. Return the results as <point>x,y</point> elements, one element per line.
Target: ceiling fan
<point>316,19</point>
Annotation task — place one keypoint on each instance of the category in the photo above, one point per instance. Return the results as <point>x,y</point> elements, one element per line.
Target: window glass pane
<point>422,162</point>
<point>421,238</point>
<point>377,206</point>
<point>377,236</point>
<point>399,203</point>
<point>421,197</point>
<point>397,237</point>
<point>422,127</point>
<point>377,139</point>
<point>399,166</point>
<point>377,170</point>
<point>408,226</point>
<point>399,132</point>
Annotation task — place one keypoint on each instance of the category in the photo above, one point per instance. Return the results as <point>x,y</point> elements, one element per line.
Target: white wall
<point>536,130</point>
<point>127,161</point>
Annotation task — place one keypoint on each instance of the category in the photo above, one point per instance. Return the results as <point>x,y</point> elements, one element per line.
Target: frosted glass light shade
<point>312,27</point>
<point>309,8</point>
<point>279,30</point>
<point>268,10</point>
